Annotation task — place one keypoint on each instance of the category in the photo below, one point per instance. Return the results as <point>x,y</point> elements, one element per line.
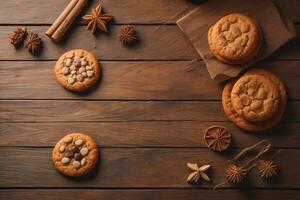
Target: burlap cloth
<point>277,31</point>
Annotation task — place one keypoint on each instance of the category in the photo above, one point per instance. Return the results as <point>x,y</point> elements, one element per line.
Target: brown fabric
<point>276,31</point>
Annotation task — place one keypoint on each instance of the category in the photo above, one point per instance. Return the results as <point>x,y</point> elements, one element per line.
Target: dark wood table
<point>147,115</point>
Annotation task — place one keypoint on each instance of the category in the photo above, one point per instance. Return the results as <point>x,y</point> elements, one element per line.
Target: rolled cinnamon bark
<point>65,19</point>
<point>61,17</point>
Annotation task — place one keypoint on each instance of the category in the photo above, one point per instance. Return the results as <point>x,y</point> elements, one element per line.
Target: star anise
<point>197,172</point>
<point>97,20</point>
<point>127,35</point>
<point>235,174</point>
<point>17,37</point>
<point>267,168</point>
<point>33,43</point>
<point>217,138</point>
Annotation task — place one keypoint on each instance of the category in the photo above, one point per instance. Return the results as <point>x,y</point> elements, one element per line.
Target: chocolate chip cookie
<point>256,126</point>
<point>255,98</point>
<point>235,39</point>
<point>77,70</point>
<point>76,154</point>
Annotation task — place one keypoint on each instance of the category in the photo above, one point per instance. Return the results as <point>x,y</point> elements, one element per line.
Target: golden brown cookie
<point>77,70</point>
<point>76,154</point>
<point>235,39</point>
<point>255,98</point>
<point>242,122</point>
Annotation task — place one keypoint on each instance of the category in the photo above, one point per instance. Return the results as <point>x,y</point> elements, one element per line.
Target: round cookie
<point>235,39</point>
<point>77,70</point>
<point>255,98</point>
<point>254,126</point>
<point>76,154</point>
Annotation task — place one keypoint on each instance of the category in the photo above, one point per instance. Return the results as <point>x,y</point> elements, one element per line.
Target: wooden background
<point>147,114</point>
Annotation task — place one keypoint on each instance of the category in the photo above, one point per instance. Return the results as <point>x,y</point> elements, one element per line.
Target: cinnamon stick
<point>61,17</point>
<point>65,19</point>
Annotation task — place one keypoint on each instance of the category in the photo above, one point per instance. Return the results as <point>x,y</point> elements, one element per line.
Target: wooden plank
<point>121,80</point>
<point>59,111</point>
<point>141,134</point>
<point>63,111</point>
<point>126,168</point>
<point>156,42</point>
<point>146,194</point>
<point>132,11</point>
<point>139,80</point>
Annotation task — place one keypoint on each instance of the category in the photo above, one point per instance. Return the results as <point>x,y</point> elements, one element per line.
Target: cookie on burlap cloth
<point>76,154</point>
<point>235,39</point>
<point>77,70</point>
<point>240,121</point>
<point>277,30</point>
<point>255,98</point>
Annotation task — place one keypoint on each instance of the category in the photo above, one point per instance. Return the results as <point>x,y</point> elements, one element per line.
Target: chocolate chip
<point>71,80</point>
<point>84,151</point>
<point>76,164</point>
<point>75,149</point>
<point>62,148</point>
<point>68,62</point>
<point>77,61</point>
<point>68,139</point>
<point>83,161</point>
<point>78,156</point>
<point>65,160</point>
<point>84,74</point>
<point>69,154</point>
<point>79,142</point>
<point>88,67</point>
<point>83,62</point>
<point>81,69</point>
<point>72,68</point>
<point>64,70</point>
<point>90,73</point>
<point>79,77</point>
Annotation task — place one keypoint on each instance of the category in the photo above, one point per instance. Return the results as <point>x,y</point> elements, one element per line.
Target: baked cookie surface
<point>240,121</point>
<point>77,70</point>
<point>76,154</point>
<point>255,98</point>
<point>235,39</point>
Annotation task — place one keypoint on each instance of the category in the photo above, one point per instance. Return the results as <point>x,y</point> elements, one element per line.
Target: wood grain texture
<point>60,111</point>
<point>149,46</point>
<point>146,194</point>
<point>152,80</point>
<point>141,134</point>
<point>156,42</point>
<point>131,11</point>
<point>63,111</point>
<point>135,168</point>
<point>139,80</point>
<point>147,114</point>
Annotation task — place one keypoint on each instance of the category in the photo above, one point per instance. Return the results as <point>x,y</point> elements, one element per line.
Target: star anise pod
<point>33,43</point>
<point>235,174</point>
<point>17,37</point>
<point>267,168</point>
<point>217,138</point>
<point>127,35</point>
<point>97,20</point>
<point>197,172</point>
